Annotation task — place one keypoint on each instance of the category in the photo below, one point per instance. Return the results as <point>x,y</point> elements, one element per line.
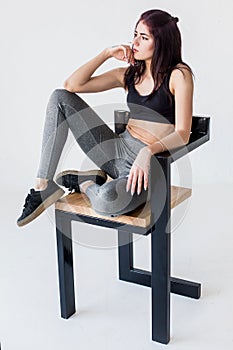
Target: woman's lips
<point>134,50</point>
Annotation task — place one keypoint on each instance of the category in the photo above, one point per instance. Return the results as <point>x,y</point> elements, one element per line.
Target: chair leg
<point>160,287</point>
<point>65,264</point>
<point>125,254</point>
<point>161,254</point>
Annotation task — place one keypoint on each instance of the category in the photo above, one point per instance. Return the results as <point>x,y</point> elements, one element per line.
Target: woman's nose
<point>135,41</point>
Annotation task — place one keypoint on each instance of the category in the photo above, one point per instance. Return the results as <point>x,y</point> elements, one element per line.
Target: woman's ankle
<point>41,184</point>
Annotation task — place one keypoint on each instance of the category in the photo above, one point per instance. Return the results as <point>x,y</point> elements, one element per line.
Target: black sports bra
<point>157,107</point>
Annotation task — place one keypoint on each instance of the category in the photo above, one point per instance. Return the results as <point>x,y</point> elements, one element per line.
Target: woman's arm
<point>83,81</point>
<point>181,85</point>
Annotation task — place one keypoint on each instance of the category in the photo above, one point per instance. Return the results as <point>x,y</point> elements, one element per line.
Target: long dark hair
<point>167,50</point>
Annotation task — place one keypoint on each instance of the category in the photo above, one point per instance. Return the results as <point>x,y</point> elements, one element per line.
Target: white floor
<point>112,314</point>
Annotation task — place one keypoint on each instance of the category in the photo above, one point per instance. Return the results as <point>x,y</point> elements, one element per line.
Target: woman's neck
<point>148,65</point>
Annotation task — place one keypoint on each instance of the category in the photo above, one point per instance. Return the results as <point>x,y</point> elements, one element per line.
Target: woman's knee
<point>63,97</point>
<point>112,197</point>
<point>59,95</point>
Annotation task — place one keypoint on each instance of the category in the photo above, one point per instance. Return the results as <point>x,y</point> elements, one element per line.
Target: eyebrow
<point>142,33</point>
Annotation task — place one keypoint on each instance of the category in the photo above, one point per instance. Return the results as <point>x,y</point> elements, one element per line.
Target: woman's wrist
<point>148,148</point>
<point>107,52</point>
<point>156,147</point>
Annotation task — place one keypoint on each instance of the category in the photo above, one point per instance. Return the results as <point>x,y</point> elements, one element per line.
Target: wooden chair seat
<point>78,203</point>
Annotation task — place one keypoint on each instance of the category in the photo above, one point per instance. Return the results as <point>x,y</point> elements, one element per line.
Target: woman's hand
<point>122,53</point>
<point>139,171</point>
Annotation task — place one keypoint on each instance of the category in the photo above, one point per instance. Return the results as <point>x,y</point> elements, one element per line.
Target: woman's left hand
<point>139,171</point>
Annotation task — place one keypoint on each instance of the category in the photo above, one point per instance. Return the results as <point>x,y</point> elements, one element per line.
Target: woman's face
<point>143,43</point>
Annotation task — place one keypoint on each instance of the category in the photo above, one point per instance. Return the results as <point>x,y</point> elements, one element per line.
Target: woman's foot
<point>37,201</point>
<point>72,179</point>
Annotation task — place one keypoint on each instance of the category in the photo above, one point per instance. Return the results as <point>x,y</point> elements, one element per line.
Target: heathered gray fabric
<point>112,153</point>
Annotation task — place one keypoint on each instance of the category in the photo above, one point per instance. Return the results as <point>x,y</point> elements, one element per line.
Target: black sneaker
<point>71,179</point>
<point>37,201</point>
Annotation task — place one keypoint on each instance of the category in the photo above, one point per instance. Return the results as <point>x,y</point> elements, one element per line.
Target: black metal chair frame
<point>159,279</point>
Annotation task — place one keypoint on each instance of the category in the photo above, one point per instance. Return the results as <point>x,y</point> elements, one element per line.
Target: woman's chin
<point>137,56</point>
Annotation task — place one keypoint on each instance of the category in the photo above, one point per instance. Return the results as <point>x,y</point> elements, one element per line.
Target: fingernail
<point>132,193</point>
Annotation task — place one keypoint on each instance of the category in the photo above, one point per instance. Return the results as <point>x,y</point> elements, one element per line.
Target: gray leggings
<point>112,153</point>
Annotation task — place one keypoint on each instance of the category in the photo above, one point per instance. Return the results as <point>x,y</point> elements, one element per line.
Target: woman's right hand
<point>122,53</point>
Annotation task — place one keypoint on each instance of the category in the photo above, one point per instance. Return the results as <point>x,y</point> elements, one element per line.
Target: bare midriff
<point>149,132</point>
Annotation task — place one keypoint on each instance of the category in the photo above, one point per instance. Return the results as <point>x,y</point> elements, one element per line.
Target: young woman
<point>159,89</point>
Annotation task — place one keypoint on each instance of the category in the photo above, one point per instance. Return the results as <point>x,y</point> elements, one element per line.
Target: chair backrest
<point>200,125</point>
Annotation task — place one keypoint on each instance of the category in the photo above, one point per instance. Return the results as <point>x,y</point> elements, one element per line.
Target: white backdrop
<point>42,43</point>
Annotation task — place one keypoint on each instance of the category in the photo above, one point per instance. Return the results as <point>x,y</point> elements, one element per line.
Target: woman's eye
<point>143,37</point>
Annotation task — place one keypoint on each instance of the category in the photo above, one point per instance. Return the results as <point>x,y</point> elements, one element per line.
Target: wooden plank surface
<point>78,203</point>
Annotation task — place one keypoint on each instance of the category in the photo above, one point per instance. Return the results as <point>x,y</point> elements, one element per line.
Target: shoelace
<point>29,196</point>
<point>28,201</point>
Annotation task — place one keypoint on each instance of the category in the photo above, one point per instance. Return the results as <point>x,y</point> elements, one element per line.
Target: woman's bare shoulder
<point>181,69</point>
<point>181,75</point>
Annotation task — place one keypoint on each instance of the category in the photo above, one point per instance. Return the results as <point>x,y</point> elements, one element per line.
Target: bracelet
<point>161,145</point>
